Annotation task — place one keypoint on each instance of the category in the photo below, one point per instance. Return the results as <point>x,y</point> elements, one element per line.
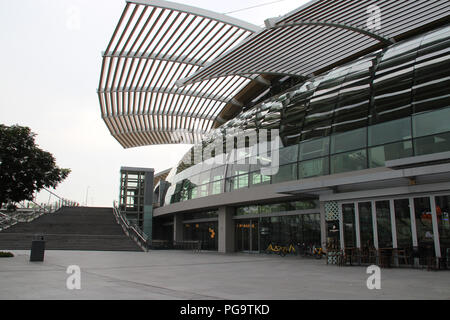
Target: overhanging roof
<point>154,44</point>
<point>173,72</point>
<point>322,34</point>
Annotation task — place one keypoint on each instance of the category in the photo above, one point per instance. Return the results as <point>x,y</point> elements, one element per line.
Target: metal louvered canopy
<point>155,44</point>
<point>323,34</point>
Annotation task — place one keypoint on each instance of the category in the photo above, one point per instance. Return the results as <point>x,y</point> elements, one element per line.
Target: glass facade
<point>442,213</point>
<point>257,234</point>
<point>388,105</point>
<point>349,222</point>
<point>424,238</point>
<point>403,223</point>
<point>277,208</point>
<point>206,232</point>
<point>131,202</point>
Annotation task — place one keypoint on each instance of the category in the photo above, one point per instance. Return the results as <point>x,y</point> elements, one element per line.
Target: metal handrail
<point>27,215</point>
<point>142,239</point>
<point>133,231</point>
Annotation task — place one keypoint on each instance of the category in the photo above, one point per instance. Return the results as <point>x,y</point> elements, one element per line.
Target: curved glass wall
<point>388,105</point>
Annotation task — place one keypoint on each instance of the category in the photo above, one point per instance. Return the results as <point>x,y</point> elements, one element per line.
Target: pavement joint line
<point>113,279</point>
<point>138,284</point>
<point>175,265</point>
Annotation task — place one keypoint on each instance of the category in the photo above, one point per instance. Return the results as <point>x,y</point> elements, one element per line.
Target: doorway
<point>247,236</point>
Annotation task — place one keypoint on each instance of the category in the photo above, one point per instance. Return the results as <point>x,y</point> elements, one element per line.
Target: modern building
<point>354,96</point>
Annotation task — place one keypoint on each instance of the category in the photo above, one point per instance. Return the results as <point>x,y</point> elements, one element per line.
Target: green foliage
<point>24,167</point>
<point>6,255</point>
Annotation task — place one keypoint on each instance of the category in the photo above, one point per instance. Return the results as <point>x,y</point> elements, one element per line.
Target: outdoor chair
<point>403,256</point>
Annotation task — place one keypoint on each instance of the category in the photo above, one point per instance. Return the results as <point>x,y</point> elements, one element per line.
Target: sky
<point>49,72</point>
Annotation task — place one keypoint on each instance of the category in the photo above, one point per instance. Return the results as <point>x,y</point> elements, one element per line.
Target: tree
<point>24,167</point>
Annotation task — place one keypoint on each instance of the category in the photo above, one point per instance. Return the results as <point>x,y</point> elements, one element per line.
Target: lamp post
<point>87,192</point>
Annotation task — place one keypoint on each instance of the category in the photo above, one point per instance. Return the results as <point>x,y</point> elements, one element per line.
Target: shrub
<point>6,255</point>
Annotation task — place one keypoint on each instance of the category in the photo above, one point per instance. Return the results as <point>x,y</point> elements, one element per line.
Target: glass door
<point>424,226</point>
<point>247,236</point>
<point>254,236</point>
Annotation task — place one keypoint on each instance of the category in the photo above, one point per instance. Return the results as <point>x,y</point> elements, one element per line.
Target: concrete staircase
<point>89,229</point>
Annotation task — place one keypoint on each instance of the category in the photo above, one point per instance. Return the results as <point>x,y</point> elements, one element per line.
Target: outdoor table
<point>385,256</point>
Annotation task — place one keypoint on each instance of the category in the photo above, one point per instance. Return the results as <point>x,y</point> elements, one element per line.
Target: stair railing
<point>131,230</point>
<point>24,214</point>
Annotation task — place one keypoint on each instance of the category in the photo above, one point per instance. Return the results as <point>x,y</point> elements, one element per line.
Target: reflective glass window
<point>288,155</point>
<point>366,224</point>
<point>432,72</point>
<point>349,225</point>
<point>390,132</point>
<point>318,119</point>
<point>240,182</point>
<point>217,187</point>
<point>313,168</point>
<point>256,178</point>
<point>403,223</point>
<point>432,144</point>
<point>314,148</point>
<point>218,173</point>
<point>354,97</point>
<point>394,81</point>
<point>353,161</point>
<point>237,169</point>
<point>431,123</point>
<point>442,213</point>
<point>379,155</point>
<point>285,173</point>
<point>347,141</point>
<point>203,190</point>
<point>384,225</point>
<point>424,226</point>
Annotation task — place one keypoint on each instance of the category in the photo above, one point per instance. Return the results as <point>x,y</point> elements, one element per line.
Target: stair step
<point>92,229</point>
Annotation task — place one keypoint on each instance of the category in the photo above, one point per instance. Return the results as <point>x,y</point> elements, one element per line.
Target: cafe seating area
<point>387,258</point>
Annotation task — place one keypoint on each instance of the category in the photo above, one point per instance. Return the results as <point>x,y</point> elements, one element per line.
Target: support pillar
<point>148,204</point>
<point>178,228</point>
<point>226,230</point>
<point>323,226</point>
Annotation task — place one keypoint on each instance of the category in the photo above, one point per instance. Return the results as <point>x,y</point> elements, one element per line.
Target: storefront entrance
<point>247,236</point>
<point>418,227</point>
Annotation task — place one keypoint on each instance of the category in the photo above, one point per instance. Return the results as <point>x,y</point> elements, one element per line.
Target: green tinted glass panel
<point>390,132</point>
<point>313,168</point>
<point>434,144</point>
<point>353,161</point>
<point>347,141</point>
<point>431,123</point>
<point>379,155</point>
<point>285,173</point>
<point>314,149</point>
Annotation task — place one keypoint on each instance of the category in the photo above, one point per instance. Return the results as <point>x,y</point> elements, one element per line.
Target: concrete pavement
<point>184,275</point>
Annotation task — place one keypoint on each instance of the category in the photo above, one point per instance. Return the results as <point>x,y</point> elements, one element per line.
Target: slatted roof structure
<point>324,34</point>
<point>155,44</point>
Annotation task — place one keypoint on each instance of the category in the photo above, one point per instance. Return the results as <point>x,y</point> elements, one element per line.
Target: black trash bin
<point>37,249</point>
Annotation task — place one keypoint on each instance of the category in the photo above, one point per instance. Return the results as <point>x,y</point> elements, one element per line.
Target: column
<point>323,226</point>
<point>226,230</point>
<point>148,204</point>
<point>178,227</point>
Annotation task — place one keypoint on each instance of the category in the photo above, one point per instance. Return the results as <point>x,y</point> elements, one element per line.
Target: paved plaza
<point>186,275</point>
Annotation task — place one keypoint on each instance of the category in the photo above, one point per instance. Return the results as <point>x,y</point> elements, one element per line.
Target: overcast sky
<point>50,63</point>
